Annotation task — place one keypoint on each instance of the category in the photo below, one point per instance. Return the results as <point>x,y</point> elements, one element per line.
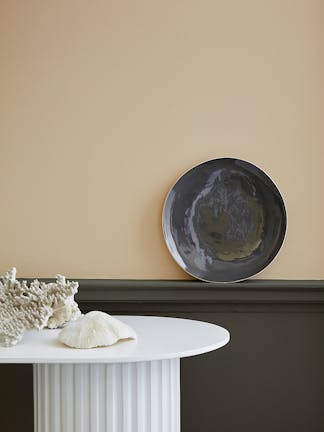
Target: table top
<point>158,338</point>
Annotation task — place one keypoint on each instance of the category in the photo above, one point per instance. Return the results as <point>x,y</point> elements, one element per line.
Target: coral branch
<point>38,305</point>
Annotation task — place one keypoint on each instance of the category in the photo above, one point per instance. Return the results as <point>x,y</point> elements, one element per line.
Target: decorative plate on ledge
<point>224,220</point>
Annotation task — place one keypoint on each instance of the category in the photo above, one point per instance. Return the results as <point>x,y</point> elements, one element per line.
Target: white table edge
<point>168,356</point>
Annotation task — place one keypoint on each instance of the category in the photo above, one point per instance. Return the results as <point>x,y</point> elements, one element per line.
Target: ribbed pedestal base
<point>124,397</point>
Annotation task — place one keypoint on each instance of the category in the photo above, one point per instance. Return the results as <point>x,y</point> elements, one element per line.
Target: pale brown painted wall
<point>105,103</point>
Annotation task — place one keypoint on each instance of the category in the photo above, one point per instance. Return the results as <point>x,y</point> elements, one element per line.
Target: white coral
<point>38,305</point>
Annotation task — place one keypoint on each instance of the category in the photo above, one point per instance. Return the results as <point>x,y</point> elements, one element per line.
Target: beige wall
<point>105,103</point>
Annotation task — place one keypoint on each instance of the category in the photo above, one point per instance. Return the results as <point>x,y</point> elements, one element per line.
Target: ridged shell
<point>95,329</point>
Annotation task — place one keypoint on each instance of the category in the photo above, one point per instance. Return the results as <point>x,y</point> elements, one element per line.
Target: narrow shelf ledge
<point>158,292</point>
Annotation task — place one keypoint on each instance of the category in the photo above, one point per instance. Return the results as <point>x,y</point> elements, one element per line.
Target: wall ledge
<point>190,291</point>
<point>145,296</point>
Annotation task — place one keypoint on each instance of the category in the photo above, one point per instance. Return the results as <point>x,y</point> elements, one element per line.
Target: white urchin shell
<point>95,329</point>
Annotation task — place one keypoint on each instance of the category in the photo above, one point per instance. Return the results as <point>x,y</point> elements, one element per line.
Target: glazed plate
<point>224,220</point>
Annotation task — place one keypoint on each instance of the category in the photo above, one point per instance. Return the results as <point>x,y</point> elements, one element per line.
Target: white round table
<point>132,386</point>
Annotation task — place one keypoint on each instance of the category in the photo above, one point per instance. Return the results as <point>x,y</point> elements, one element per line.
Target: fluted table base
<point>121,397</point>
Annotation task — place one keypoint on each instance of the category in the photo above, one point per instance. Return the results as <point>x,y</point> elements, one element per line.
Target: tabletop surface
<point>157,338</point>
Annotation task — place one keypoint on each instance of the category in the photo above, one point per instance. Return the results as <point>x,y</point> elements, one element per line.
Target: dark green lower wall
<point>269,378</point>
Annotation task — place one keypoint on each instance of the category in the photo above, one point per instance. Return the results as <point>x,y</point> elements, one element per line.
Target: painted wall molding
<point>149,296</point>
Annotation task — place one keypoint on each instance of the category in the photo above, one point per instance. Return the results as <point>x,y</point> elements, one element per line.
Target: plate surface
<point>224,220</point>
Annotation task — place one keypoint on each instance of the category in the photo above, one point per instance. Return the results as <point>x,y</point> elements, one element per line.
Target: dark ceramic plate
<point>224,220</point>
